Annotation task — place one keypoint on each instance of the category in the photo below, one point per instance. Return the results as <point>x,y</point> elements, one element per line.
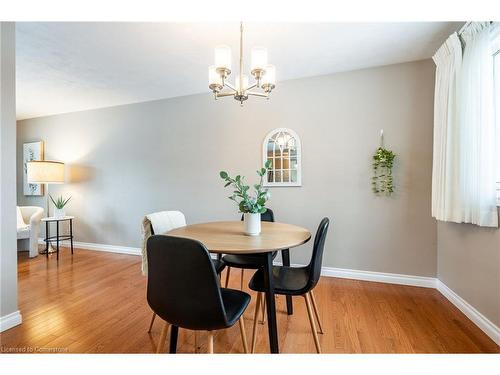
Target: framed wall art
<point>31,151</point>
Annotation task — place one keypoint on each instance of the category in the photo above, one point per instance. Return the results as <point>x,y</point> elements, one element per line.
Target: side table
<point>58,237</point>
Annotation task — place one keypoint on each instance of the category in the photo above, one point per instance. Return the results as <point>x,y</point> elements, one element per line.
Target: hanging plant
<point>382,181</point>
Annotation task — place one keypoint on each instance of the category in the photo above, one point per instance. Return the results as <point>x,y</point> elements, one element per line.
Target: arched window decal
<point>283,148</point>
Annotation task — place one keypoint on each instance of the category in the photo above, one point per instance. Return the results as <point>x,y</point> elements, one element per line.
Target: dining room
<point>250,187</point>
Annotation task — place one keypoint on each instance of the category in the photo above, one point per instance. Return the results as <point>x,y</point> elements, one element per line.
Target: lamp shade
<point>223,57</point>
<point>45,172</point>
<point>259,58</point>
<point>270,75</point>
<point>214,78</point>
<point>244,82</point>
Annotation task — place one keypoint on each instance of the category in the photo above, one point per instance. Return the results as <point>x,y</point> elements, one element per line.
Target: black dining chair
<point>184,290</point>
<point>296,281</point>
<point>218,265</point>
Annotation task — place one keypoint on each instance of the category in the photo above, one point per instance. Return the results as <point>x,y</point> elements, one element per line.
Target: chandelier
<point>264,74</point>
<point>285,141</point>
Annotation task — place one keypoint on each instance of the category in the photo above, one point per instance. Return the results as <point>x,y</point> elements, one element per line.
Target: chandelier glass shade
<point>263,73</point>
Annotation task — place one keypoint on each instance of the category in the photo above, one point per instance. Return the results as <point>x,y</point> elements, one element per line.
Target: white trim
<point>380,277</point>
<point>10,320</point>
<point>475,316</point>
<point>100,247</point>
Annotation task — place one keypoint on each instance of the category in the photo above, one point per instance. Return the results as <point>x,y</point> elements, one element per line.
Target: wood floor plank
<point>95,302</point>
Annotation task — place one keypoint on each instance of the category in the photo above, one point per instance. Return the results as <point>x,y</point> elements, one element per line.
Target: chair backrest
<point>183,287</point>
<point>159,223</point>
<point>317,254</point>
<point>164,221</point>
<point>266,216</point>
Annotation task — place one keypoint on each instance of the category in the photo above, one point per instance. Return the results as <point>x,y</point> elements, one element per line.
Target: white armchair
<point>28,228</point>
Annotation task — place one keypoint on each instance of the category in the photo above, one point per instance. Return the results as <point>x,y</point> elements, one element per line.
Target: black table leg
<point>47,235</point>
<point>285,255</point>
<point>57,239</point>
<point>270,303</point>
<point>174,333</point>
<point>71,234</point>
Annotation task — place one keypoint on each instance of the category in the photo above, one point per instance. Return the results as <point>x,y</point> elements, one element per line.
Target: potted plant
<point>252,206</point>
<point>382,180</point>
<point>59,203</point>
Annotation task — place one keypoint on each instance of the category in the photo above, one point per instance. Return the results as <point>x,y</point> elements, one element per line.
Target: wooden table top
<point>228,237</point>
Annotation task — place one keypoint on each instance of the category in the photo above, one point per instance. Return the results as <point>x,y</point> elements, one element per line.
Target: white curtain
<point>464,164</point>
<point>448,60</point>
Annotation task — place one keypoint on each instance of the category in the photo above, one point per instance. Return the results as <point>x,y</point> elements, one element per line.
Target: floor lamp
<point>45,172</point>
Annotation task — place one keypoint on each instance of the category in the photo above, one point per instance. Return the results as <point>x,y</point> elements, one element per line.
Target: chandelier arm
<point>253,86</point>
<point>227,84</point>
<point>222,94</point>
<point>258,94</point>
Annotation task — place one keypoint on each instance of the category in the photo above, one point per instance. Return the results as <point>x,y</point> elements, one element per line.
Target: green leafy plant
<point>247,203</point>
<point>382,180</point>
<point>60,202</point>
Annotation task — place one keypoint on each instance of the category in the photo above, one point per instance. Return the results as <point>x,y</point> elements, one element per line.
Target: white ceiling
<point>66,67</point>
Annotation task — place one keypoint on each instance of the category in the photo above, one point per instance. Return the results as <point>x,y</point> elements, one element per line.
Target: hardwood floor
<point>95,302</point>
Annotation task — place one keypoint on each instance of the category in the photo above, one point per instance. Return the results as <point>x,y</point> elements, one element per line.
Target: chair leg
<point>255,317</point>
<point>316,313</point>
<point>152,321</point>
<point>227,276</point>
<point>163,337</point>
<point>210,342</point>
<point>243,334</point>
<point>311,320</point>
<point>241,279</point>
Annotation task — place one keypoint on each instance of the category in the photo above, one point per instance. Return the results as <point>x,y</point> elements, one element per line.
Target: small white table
<point>49,239</point>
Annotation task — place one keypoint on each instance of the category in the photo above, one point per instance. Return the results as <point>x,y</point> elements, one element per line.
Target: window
<point>282,147</point>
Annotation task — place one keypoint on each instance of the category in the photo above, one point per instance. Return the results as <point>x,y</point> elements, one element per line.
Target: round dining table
<point>228,237</point>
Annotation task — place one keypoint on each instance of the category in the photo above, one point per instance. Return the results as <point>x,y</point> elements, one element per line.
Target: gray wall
<point>8,255</point>
<point>469,264</point>
<point>130,160</point>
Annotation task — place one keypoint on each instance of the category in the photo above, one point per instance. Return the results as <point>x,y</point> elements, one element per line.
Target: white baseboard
<point>380,277</point>
<point>391,278</point>
<point>100,247</point>
<point>10,320</point>
<point>477,318</point>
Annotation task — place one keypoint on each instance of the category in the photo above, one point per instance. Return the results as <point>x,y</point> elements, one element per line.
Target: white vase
<point>252,224</point>
<point>59,213</point>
